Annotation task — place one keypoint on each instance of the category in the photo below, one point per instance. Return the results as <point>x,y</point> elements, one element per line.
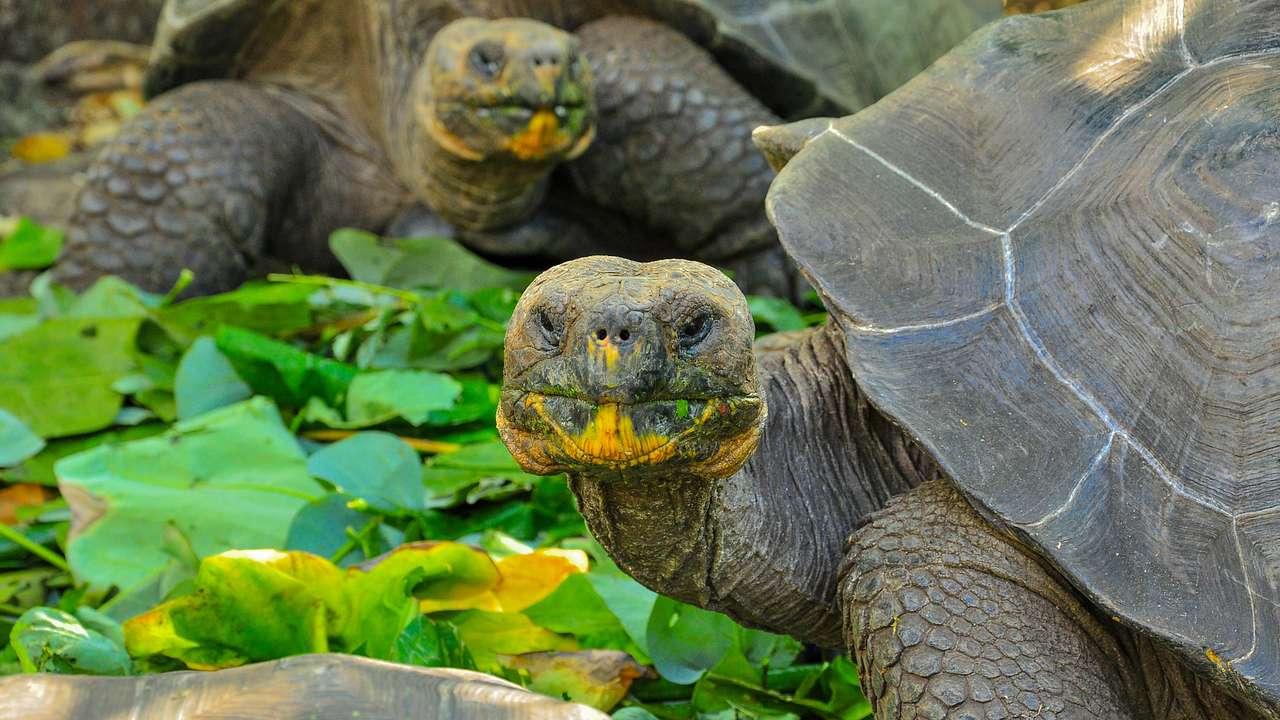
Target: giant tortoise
<point>1031,466</point>
<point>285,120</point>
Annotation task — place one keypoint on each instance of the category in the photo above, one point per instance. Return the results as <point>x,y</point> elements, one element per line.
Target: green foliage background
<point>333,421</point>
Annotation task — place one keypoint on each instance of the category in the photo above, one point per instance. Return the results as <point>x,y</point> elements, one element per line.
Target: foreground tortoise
<point>286,120</point>
<point>308,687</point>
<point>1030,467</point>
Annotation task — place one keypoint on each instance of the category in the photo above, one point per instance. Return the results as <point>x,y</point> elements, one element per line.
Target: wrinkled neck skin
<point>765,545</point>
<point>474,194</point>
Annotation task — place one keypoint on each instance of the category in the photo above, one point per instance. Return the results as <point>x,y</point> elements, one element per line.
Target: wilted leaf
<point>416,263</point>
<point>599,678</point>
<point>57,376</point>
<point>30,247</point>
<point>49,640</point>
<point>529,578</point>
<point>206,381</point>
<point>22,495</point>
<point>231,478</point>
<point>247,605</point>
<point>17,442</point>
<point>375,467</point>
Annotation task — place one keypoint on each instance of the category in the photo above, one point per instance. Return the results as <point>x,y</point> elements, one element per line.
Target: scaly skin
<point>837,527</point>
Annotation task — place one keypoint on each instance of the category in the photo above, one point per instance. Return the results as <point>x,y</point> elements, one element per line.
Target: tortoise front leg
<point>950,620</point>
<point>213,176</point>
<point>673,150</point>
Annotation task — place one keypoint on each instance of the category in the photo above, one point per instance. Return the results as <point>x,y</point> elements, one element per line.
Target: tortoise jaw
<point>550,433</point>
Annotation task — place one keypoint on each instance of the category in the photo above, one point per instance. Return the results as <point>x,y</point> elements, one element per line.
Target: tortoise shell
<point>1055,258</point>
<point>799,56</point>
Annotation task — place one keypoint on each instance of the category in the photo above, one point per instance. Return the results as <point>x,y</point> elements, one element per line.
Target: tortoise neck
<point>766,545</point>
<point>476,194</point>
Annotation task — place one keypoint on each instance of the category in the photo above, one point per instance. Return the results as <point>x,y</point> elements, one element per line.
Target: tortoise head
<point>639,369</point>
<point>508,88</point>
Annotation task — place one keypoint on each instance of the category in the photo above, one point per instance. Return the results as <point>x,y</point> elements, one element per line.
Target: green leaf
<point>575,608</point>
<point>634,713</point>
<point>17,442</point>
<point>321,527</point>
<point>49,640</point>
<point>430,643</point>
<point>111,297</point>
<point>476,472</point>
<point>30,247</point>
<point>17,315</point>
<point>416,263</point>
<point>282,371</point>
<point>376,397</point>
<point>685,641</point>
<point>775,314</point>
<point>206,381</point>
<point>231,478</point>
<point>384,600</point>
<point>375,467</point>
<point>39,469</point>
<point>489,634</point>
<point>264,308</point>
<point>57,377</point>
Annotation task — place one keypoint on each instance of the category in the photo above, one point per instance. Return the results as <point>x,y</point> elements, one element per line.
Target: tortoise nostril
<point>601,334</point>
<point>624,335</point>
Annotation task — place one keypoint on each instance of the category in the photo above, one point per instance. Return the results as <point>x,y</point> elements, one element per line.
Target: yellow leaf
<point>526,579</point>
<point>42,147</point>
<point>599,678</point>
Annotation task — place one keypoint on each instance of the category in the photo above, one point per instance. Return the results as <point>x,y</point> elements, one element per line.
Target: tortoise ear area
<point>780,143</point>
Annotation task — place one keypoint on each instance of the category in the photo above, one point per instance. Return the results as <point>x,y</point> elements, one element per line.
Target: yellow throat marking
<point>537,138</point>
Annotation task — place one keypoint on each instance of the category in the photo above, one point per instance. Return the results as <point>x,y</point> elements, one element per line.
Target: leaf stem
<point>420,444</point>
<point>42,552</point>
<point>355,539</point>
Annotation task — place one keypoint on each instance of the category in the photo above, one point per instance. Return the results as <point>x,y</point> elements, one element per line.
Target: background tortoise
<point>317,114</point>
<point>1045,409</point>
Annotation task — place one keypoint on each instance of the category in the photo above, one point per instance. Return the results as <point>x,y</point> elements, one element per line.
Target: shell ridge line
<point>1075,490</point>
<point>1181,19</point>
<point>915,327</point>
<point>916,183</point>
<point>1051,364</point>
<point>1253,594</point>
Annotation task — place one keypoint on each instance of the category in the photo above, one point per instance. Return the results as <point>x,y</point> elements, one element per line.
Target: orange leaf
<point>19,496</point>
<point>526,579</point>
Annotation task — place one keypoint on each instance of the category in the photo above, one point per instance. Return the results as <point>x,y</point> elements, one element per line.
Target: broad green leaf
<point>321,527</point>
<point>490,634</point>
<point>265,308</point>
<point>17,442</point>
<point>111,297</point>
<point>378,468</point>
<point>283,372</point>
<point>386,598</point>
<point>39,469</point>
<point>17,315</point>
<point>49,640</point>
<point>576,609</point>
<point>775,314</point>
<point>376,397</point>
<point>230,478</point>
<point>475,472</point>
<point>30,247</point>
<point>57,376</point>
<point>206,381</point>
<point>429,643</point>
<point>415,263</point>
<point>685,641</point>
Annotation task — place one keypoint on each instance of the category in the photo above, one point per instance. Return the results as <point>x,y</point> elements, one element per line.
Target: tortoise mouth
<point>557,433</point>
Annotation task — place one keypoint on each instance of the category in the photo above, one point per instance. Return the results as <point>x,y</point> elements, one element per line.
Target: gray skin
<point>838,528</point>
<point>282,122</point>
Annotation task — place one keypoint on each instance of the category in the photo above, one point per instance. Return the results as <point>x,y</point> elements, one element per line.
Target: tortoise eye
<point>549,331</point>
<point>487,58</point>
<point>695,329</point>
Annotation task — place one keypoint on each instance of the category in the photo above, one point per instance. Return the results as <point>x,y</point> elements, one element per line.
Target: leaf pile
<point>310,464</point>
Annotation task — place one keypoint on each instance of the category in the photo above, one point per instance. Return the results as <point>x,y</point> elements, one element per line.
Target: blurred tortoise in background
<point>1030,468</point>
<point>308,687</point>
<point>283,121</point>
